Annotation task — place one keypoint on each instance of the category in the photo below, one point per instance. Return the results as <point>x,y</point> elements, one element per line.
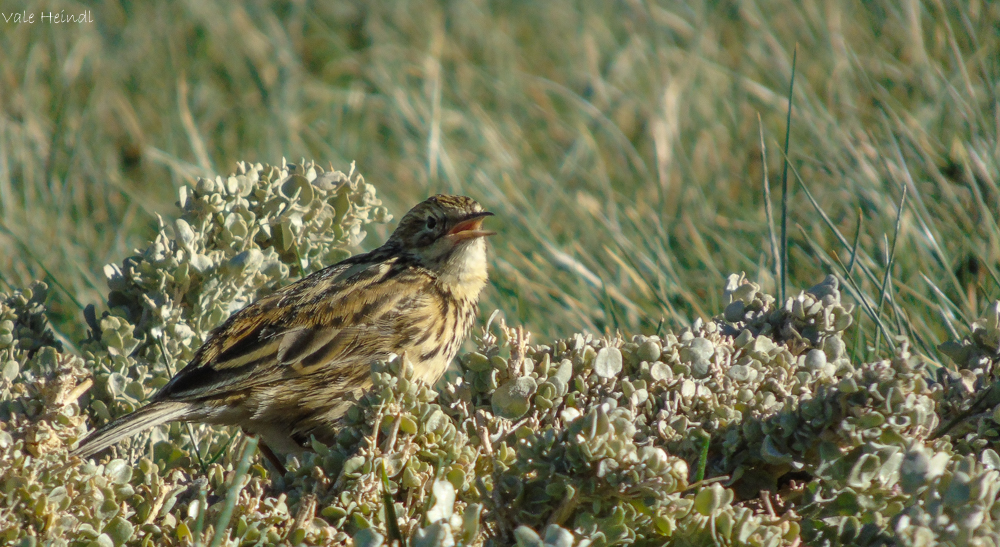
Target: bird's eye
<point>431,222</point>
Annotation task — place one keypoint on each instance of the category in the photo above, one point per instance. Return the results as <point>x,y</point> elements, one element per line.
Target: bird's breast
<point>433,340</point>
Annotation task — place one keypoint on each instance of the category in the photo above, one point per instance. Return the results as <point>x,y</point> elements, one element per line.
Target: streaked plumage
<point>288,365</point>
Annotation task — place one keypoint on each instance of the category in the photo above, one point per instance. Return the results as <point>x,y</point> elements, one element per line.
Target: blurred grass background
<point>618,142</point>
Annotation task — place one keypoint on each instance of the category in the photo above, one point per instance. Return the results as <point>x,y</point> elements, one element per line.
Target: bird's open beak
<point>471,227</point>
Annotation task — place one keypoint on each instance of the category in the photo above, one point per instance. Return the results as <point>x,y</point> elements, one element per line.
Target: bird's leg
<point>272,457</point>
<point>268,454</point>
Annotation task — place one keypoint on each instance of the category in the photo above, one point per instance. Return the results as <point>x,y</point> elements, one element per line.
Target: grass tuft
<point>621,145</point>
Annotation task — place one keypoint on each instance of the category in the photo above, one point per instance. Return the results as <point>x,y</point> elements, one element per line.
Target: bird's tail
<point>146,417</point>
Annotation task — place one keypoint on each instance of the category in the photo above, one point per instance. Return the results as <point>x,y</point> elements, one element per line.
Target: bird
<point>288,366</point>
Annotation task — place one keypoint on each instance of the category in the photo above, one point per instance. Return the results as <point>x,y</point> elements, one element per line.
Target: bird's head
<point>445,234</point>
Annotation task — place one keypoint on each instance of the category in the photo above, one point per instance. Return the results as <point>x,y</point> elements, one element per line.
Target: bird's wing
<point>344,315</point>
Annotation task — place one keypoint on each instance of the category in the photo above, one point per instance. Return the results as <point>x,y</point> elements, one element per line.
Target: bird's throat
<point>464,272</point>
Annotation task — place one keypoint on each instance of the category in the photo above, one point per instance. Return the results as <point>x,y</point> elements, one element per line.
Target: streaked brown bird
<point>288,366</point>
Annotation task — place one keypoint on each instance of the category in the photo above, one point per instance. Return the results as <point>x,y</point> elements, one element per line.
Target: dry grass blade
<point>776,260</point>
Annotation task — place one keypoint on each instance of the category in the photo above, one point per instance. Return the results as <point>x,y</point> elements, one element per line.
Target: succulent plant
<point>752,428</point>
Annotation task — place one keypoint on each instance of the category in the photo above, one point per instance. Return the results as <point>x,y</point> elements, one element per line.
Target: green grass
<point>618,142</point>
